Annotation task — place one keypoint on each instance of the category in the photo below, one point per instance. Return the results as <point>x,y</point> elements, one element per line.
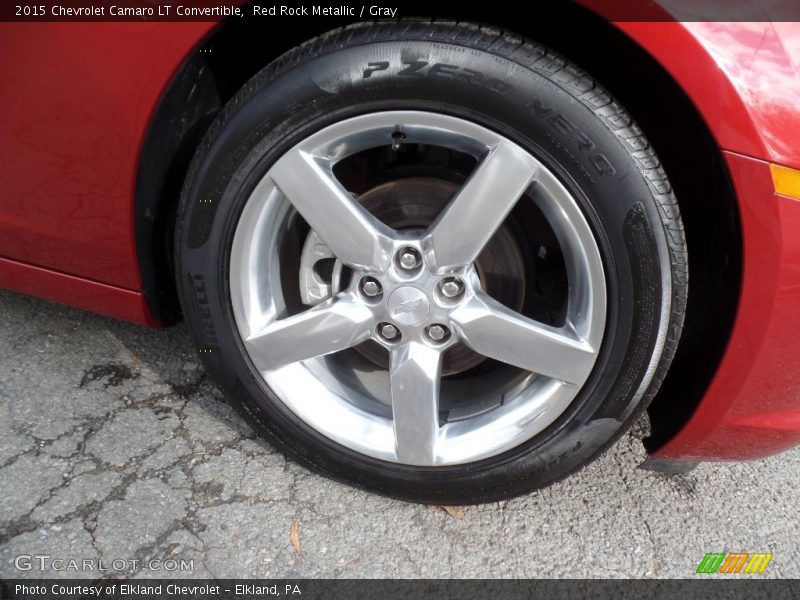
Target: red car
<point>443,261</point>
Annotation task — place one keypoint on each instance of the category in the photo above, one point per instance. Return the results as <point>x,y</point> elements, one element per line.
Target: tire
<point>617,276</point>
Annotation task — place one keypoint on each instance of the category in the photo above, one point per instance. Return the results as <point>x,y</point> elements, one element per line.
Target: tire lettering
<point>413,68</point>
<point>208,334</point>
<point>501,88</point>
<point>421,68</point>
<point>470,76</point>
<point>539,109</point>
<point>443,70</point>
<point>558,121</point>
<point>601,164</point>
<point>375,66</point>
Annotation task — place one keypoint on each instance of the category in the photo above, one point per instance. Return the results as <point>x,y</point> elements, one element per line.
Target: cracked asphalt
<point>114,445</point>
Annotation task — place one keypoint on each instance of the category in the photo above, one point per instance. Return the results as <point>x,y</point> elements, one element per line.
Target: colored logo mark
<point>734,562</point>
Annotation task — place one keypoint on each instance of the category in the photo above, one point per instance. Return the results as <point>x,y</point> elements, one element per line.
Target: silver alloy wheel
<point>292,353</point>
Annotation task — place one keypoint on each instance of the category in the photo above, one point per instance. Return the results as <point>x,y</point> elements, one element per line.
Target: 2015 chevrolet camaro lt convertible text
<point>444,261</point>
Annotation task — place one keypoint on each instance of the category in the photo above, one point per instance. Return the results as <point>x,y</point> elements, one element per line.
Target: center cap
<point>408,306</point>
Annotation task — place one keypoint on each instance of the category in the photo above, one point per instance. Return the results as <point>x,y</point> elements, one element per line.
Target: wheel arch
<point>232,52</point>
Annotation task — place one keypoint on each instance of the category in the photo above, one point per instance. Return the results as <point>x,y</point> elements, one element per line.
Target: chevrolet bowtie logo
<point>408,306</point>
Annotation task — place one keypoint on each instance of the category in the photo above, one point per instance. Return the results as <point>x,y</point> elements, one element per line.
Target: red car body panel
<point>743,80</point>
<point>76,103</point>
<point>76,291</point>
<point>752,408</point>
<point>78,99</point>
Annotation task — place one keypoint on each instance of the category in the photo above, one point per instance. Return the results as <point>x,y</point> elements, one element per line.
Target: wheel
<point>431,260</point>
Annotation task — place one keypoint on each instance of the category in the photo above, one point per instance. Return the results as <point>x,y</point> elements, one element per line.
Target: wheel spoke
<point>356,237</point>
<point>495,331</point>
<point>461,231</point>
<point>415,374</point>
<point>337,324</point>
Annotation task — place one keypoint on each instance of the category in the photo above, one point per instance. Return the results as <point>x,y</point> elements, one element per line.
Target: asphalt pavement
<point>117,452</point>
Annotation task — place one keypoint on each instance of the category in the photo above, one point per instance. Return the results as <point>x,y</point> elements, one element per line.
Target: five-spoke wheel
<point>416,292</point>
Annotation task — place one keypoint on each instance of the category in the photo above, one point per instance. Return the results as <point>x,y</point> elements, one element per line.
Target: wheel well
<point>239,49</point>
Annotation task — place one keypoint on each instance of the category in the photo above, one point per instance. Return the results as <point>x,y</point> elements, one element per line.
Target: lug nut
<point>388,331</point>
<point>370,287</point>
<point>452,287</point>
<point>438,332</point>
<point>409,258</point>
